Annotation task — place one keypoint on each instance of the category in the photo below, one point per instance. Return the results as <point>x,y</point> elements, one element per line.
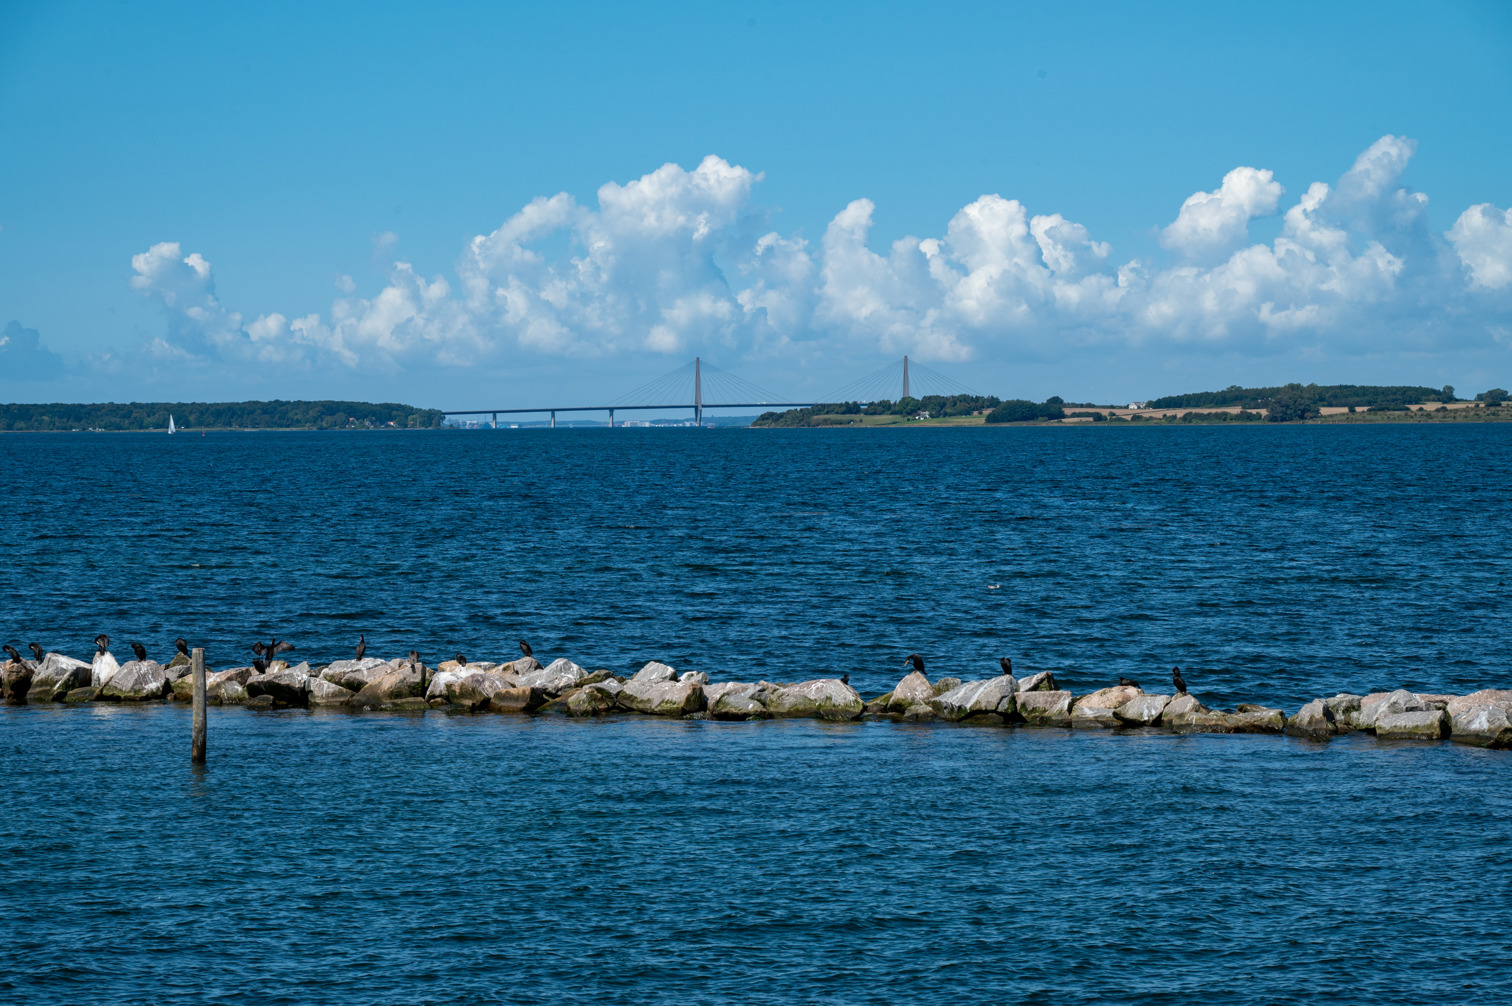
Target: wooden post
<point>197,661</point>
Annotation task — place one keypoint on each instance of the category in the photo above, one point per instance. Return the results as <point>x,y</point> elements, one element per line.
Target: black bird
<point>181,645</point>
<point>525,648</point>
<point>11,651</point>
<point>414,657</point>
<point>102,643</point>
<point>139,650</point>
<point>1178,681</point>
<point>259,649</point>
<point>36,649</point>
<point>461,660</point>
<point>916,660</point>
<point>845,679</point>
<point>1126,682</point>
<point>259,665</point>
<point>1006,663</point>
<point>279,646</point>
<point>361,645</point>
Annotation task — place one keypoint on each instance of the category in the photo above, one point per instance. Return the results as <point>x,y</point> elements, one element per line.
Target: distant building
<point>1139,405</point>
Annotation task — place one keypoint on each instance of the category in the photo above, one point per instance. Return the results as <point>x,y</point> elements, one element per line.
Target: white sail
<point>170,424</point>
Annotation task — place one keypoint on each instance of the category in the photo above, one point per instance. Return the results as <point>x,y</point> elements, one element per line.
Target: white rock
<point>103,669</point>
<point>826,698</point>
<point>655,671</point>
<point>995,695</point>
<point>911,691</point>
<point>1142,710</point>
<point>554,679</point>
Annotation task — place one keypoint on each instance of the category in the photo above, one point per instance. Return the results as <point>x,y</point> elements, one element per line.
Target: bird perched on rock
<point>461,660</point>
<point>139,650</point>
<point>916,660</point>
<point>36,649</point>
<point>414,657</point>
<point>11,652</point>
<point>525,648</point>
<point>102,643</point>
<point>279,646</point>
<point>259,665</point>
<point>182,645</point>
<point>845,679</point>
<point>1178,681</point>
<point>258,648</point>
<point>361,645</point>
<point>1127,683</point>
<point>1006,663</point>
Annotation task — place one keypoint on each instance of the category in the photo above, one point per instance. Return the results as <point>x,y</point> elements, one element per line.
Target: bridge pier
<point>611,419</point>
<point>496,420</point>
<point>553,419</point>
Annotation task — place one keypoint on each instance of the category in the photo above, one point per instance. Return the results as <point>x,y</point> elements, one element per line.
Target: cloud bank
<point>681,260</point>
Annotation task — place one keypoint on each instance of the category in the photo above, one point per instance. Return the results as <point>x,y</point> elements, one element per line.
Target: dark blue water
<point>384,859</point>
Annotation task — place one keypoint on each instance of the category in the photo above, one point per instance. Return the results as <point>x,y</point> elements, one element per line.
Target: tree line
<point>275,415</point>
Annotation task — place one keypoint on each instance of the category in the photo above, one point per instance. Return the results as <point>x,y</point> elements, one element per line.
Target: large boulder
<point>553,679</point>
<point>228,687</point>
<point>912,690</point>
<point>655,671</point>
<point>1254,719</point>
<point>1487,725</point>
<point>103,669</point>
<point>1315,721</point>
<point>1456,707</point>
<point>1044,709</point>
<point>473,689</point>
<point>514,699</point>
<point>825,698</point>
<point>289,687</point>
<point>1042,681</point>
<point>736,700</point>
<point>595,699</point>
<point>1142,710</point>
<point>1413,725</point>
<point>55,676</point>
<point>1181,705</point>
<point>1345,707</point>
<point>355,675</point>
<point>1378,704</point>
<point>662,697</point>
<point>975,698</point>
<point>325,693</point>
<point>386,688</point>
<point>137,681</point>
<point>16,681</point>
<point>1096,709</point>
<point>946,684</point>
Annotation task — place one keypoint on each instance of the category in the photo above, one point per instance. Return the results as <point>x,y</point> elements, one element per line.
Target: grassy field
<point>1482,415</point>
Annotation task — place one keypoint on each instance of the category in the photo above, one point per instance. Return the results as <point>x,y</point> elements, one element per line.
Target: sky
<point>509,205</point>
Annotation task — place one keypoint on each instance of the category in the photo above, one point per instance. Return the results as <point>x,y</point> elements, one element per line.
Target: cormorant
<point>845,679</point>
<point>102,643</point>
<point>259,665</point>
<point>525,648</point>
<point>1178,681</point>
<point>1006,663</point>
<point>279,646</point>
<point>181,645</point>
<point>361,645</point>
<point>37,652</point>
<point>11,651</point>
<point>916,660</point>
<point>461,660</point>
<point>139,650</point>
<point>414,657</point>
<point>258,648</point>
<point>1127,683</point>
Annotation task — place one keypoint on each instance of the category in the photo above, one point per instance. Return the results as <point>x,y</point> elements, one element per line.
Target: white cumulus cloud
<point>1213,222</point>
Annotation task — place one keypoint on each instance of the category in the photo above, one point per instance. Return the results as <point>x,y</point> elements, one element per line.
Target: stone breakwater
<point>524,686</point>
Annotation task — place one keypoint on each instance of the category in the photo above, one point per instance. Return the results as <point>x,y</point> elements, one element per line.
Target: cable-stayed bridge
<point>700,385</point>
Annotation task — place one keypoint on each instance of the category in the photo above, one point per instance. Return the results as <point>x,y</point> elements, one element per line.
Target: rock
<point>289,687</point>
<point>1142,710</point>
<point>1184,703</point>
<point>516,700</point>
<point>86,694</point>
<point>1256,719</point>
<point>912,690</point>
<point>16,681</point>
<point>228,688</point>
<point>736,700</point>
<point>554,679</point>
<point>826,698</point>
<point>240,675</point>
<point>1044,709</point>
<point>1488,725</point>
<point>1345,707</point>
<point>1315,721</point>
<point>390,687</point>
<point>1456,706</point>
<point>662,697</point>
<point>699,677</point>
<point>180,667</point>
<point>945,684</point>
<point>524,665</point>
<point>182,689</point>
<point>137,681</point>
<point>1096,709</point>
<point>260,702</point>
<point>1434,701</point>
<point>655,671</point>
<point>920,712</point>
<point>983,720</point>
<point>995,695</point>
<point>1379,704</point>
<point>103,669</point>
<point>55,676</point>
<point>1043,681</point>
<point>473,690</point>
<point>1413,725</point>
<point>355,675</point>
<point>1203,721</point>
<point>596,699</point>
<point>325,693</point>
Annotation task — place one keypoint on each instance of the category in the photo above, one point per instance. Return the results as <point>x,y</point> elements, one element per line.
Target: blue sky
<point>214,202</point>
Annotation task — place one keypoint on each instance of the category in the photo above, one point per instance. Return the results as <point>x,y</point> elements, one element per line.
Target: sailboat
<point>171,428</point>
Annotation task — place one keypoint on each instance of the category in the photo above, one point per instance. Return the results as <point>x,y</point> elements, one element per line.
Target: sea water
<point>438,859</point>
